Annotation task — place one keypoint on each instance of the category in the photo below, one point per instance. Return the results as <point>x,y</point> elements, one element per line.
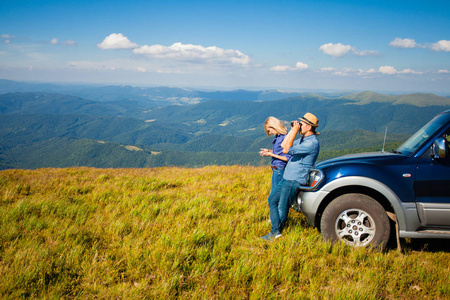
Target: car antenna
<point>384,142</point>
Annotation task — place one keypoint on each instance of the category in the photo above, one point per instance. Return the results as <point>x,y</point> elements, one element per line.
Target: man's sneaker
<point>271,236</point>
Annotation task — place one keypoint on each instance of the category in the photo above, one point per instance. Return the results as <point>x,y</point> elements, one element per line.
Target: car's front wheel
<point>356,219</point>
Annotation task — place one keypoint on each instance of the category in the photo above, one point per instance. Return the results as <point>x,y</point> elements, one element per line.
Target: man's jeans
<point>280,200</point>
<point>277,175</point>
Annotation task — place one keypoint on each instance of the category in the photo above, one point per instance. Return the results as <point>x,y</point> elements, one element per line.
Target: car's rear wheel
<point>356,219</point>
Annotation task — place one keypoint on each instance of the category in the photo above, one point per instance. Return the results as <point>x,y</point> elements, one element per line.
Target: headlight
<point>315,177</point>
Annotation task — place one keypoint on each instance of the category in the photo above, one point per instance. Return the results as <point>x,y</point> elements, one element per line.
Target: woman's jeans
<point>277,175</point>
<point>280,200</point>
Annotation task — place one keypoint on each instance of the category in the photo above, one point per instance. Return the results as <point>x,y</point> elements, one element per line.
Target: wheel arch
<point>351,189</point>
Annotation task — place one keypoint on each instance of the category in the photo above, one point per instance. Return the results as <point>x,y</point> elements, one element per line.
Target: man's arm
<point>290,137</point>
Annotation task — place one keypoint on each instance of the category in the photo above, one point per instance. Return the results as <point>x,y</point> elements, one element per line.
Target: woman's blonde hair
<point>275,124</point>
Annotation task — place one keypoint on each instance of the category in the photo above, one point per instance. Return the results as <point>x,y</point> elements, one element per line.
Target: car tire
<point>356,219</point>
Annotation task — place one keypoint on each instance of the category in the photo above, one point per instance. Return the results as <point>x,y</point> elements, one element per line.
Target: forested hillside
<point>56,129</point>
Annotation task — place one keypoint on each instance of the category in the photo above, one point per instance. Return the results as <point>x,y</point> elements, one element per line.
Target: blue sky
<point>343,45</point>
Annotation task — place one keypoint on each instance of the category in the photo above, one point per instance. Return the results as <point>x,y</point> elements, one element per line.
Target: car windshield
<point>420,137</point>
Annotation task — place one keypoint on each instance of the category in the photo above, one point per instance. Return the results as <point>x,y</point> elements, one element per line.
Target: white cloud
<point>409,71</point>
<point>129,64</point>
<point>169,71</point>
<point>387,70</point>
<point>194,53</point>
<point>327,69</point>
<point>116,41</point>
<point>442,45</point>
<point>403,43</point>
<point>335,50</point>
<point>280,68</point>
<point>341,73</point>
<point>301,66</point>
<point>298,66</point>
<point>7,38</point>
<point>339,50</point>
<point>365,52</point>
<point>443,71</point>
<point>55,41</point>
<point>96,66</point>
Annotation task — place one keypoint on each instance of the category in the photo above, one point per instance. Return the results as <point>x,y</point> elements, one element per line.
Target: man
<point>304,153</point>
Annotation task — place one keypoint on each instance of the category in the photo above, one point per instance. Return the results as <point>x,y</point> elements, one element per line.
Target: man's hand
<point>296,126</point>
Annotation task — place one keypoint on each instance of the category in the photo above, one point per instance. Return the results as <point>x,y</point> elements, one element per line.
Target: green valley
<point>43,129</point>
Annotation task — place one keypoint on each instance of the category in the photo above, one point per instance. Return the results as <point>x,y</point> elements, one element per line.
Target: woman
<point>275,127</point>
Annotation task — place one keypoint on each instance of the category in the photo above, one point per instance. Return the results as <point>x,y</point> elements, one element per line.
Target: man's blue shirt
<point>278,150</point>
<point>304,153</point>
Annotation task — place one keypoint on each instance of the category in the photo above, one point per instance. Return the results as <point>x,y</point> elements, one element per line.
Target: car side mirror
<point>439,149</point>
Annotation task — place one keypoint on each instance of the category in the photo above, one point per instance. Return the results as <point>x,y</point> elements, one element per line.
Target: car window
<point>421,136</point>
<point>445,136</point>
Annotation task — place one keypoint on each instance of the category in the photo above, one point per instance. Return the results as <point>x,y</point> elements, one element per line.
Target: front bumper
<point>308,204</point>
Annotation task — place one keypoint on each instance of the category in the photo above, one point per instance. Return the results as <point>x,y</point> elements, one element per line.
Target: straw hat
<point>310,119</point>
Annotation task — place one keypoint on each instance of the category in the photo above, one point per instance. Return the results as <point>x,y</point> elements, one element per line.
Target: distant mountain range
<point>123,126</point>
<point>151,96</point>
<point>162,96</point>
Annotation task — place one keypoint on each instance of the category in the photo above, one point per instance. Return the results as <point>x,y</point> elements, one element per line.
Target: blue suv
<point>361,198</point>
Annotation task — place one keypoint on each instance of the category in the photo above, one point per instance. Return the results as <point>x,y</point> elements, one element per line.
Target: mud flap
<point>393,217</point>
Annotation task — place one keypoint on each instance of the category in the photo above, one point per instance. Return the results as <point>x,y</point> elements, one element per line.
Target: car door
<point>432,190</point>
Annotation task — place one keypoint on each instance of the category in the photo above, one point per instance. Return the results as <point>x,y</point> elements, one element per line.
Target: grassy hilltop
<point>167,233</point>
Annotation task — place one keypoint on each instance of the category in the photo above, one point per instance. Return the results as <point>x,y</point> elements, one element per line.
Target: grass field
<point>184,233</point>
